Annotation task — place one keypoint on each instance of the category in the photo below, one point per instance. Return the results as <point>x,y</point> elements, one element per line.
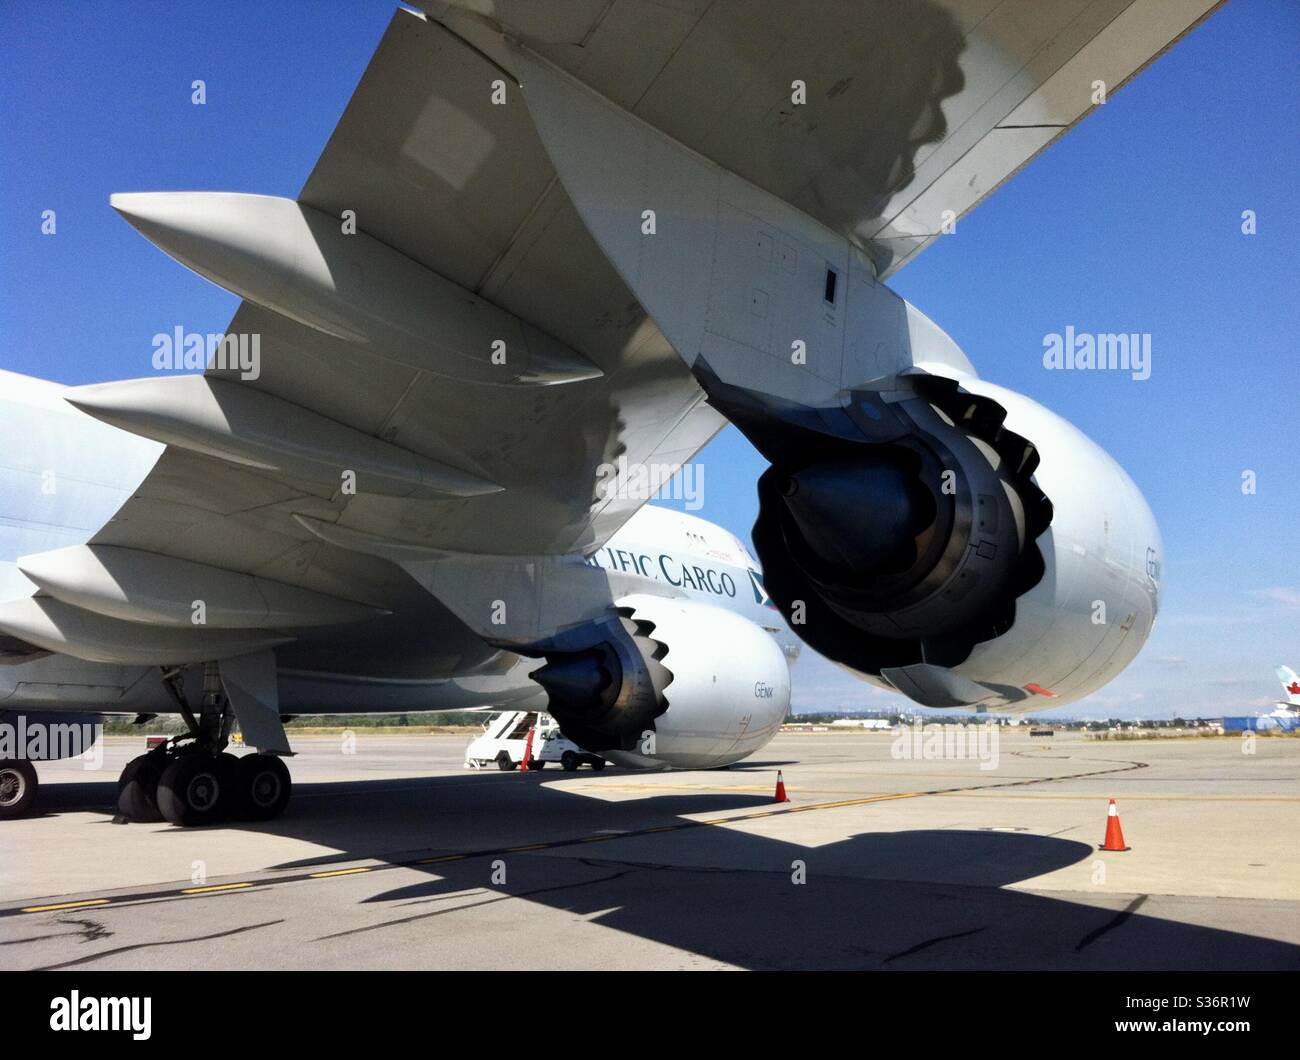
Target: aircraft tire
<point>137,788</point>
<point>18,786</point>
<point>264,786</point>
<point>190,790</point>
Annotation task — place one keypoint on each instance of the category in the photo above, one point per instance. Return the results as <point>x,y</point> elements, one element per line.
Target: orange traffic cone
<point>781,796</point>
<point>1114,834</point>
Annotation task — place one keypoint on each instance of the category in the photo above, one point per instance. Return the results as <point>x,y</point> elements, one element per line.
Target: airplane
<point>1284,717</point>
<point>1291,686</point>
<point>541,244</point>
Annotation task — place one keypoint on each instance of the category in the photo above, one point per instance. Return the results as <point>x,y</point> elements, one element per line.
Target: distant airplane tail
<point>1290,684</point>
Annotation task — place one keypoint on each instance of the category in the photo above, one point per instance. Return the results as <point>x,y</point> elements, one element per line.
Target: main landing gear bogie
<point>192,779</point>
<point>188,785</point>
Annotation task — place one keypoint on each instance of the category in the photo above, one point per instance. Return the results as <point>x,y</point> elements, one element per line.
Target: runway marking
<point>168,894</point>
<point>973,792</point>
<point>64,905</point>
<point>677,787</point>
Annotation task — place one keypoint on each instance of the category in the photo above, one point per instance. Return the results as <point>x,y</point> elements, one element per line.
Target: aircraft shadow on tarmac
<point>893,900</point>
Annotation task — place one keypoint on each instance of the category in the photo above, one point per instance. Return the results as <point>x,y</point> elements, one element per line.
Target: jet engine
<point>954,541</point>
<point>668,682</point>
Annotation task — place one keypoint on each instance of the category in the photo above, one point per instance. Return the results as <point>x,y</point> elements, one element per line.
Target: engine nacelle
<point>670,683</point>
<point>960,544</point>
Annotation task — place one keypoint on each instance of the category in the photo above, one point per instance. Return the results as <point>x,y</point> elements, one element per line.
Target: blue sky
<point>1130,223</point>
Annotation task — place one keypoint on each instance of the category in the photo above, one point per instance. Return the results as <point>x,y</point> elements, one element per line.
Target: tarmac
<point>396,857</point>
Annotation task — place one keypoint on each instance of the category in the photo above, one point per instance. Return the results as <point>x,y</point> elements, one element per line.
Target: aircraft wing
<point>915,110</point>
<point>463,188</point>
<point>912,108</point>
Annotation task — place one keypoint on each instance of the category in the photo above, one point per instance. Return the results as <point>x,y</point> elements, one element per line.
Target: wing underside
<point>913,109</point>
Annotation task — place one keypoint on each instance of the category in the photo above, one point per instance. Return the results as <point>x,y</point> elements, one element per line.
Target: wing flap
<point>907,101</point>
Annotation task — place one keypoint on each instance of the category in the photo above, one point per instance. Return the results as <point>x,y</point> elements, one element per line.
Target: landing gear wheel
<point>137,788</point>
<point>190,789</point>
<point>568,761</point>
<point>18,786</point>
<point>233,804</point>
<point>503,762</point>
<point>597,764</point>
<point>264,783</point>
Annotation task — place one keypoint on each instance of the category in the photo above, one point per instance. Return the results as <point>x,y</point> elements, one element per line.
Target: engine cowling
<point>669,682</point>
<point>960,544</point>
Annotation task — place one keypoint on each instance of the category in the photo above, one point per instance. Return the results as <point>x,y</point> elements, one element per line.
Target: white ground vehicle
<point>506,735</point>
<point>556,747</point>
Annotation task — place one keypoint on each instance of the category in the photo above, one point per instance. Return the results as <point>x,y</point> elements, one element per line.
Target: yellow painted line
<point>602,838</point>
<point>444,857</point>
<point>1087,797</point>
<point>338,872</point>
<point>866,800</point>
<point>64,905</point>
<point>682,787</point>
<point>214,887</point>
<point>785,810</point>
<point>531,846</point>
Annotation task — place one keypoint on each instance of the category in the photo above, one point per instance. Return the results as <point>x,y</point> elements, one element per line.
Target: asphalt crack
<point>150,945</point>
<point>1116,921</point>
<point>931,942</point>
<point>89,931</point>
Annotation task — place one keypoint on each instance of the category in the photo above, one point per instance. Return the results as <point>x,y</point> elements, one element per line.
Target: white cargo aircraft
<point>546,241</point>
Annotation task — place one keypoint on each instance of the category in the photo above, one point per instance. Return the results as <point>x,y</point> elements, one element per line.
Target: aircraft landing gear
<point>18,786</point>
<point>197,787</point>
<point>192,780</point>
<point>263,781</point>
<point>137,787</point>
